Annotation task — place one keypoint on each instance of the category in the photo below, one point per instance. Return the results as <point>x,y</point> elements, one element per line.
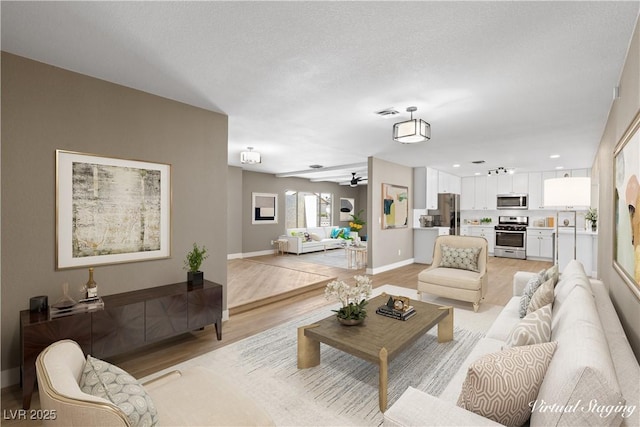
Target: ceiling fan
<point>354,180</point>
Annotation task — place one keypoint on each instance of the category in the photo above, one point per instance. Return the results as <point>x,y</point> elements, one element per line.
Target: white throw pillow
<point>535,328</point>
<point>500,386</point>
<point>102,379</point>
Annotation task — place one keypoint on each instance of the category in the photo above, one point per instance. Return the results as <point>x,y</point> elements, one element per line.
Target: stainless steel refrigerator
<point>448,212</point>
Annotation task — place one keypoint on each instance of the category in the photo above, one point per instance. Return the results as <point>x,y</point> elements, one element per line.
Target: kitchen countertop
<point>565,230</point>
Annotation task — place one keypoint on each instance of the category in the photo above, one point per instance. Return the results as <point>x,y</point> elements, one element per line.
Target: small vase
<point>350,322</point>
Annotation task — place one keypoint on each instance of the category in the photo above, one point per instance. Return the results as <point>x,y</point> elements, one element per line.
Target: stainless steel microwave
<point>513,201</point>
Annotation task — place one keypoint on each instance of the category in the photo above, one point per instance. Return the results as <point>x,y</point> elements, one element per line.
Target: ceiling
<point>506,82</point>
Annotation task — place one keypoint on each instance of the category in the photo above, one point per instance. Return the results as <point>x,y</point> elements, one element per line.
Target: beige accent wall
<point>257,237</point>
<point>45,108</point>
<point>387,247</point>
<point>234,208</point>
<point>623,110</point>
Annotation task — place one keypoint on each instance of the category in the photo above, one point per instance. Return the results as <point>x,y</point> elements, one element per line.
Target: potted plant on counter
<point>592,216</point>
<point>192,264</point>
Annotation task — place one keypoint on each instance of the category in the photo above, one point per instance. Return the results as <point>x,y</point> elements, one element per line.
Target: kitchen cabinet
<point>586,242</point>
<point>513,183</point>
<point>419,188</point>
<point>424,240</point>
<point>478,193</point>
<point>540,244</point>
<point>486,232</point>
<point>448,183</point>
<point>432,189</point>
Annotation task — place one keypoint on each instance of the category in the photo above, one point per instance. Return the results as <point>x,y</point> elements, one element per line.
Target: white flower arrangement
<point>352,298</point>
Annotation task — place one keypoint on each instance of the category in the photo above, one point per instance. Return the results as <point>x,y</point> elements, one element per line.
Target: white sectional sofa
<point>319,239</point>
<point>593,378</point>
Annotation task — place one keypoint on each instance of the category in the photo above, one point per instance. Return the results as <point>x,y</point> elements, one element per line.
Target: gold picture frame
<point>626,209</point>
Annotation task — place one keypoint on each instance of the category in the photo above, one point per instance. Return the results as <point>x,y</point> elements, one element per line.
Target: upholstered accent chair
<point>458,271</point>
<point>194,397</point>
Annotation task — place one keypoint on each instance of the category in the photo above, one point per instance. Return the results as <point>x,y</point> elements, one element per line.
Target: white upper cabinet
<point>516,183</point>
<point>478,193</point>
<point>468,194</point>
<point>535,191</point>
<point>448,183</point>
<point>432,188</point>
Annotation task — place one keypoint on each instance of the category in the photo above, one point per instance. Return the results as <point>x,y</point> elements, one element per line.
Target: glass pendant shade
<point>412,131</point>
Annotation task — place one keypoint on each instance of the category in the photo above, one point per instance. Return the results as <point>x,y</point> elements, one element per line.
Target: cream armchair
<point>456,283</point>
<point>194,397</point>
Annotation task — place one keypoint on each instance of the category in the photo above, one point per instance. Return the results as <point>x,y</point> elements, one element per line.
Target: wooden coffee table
<point>379,340</point>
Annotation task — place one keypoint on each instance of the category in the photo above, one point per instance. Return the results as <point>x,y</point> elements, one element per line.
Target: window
<point>303,209</point>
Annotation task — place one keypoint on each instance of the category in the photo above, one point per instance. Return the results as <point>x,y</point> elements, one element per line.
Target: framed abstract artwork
<point>264,208</point>
<point>111,210</point>
<point>395,206</point>
<point>626,247</point>
<point>347,206</point>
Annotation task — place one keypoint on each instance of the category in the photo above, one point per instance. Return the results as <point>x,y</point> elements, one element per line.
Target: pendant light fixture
<point>412,131</point>
<point>250,157</point>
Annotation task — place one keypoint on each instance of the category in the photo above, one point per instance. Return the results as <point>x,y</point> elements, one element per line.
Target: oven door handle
<point>509,231</point>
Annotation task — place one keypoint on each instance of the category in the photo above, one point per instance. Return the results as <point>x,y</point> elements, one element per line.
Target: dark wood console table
<point>129,320</point>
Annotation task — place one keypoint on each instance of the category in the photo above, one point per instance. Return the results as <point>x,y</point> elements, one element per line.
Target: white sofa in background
<point>320,239</point>
<point>592,359</point>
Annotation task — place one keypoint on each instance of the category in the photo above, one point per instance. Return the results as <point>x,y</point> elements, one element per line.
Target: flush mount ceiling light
<point>250,157</point>
<point>412,131</point>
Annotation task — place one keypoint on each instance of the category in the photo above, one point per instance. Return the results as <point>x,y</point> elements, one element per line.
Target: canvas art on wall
<point>627,207</point>
<point>264,208</point>
<point>395,206</point>
<point>347,206</point>
<point>111,210</point>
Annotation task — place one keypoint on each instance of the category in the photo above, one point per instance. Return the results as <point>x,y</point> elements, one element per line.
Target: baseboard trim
<point>234,256</point>
<point>374,271</point>
<point>9,377</point>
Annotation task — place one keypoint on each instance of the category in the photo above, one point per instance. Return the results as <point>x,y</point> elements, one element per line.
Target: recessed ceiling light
<point>554,156</point>
<point>478,162</point>
<point>559,167</point>
<point>316,166</point>
<point>477,173</point>
<point>456,165</point>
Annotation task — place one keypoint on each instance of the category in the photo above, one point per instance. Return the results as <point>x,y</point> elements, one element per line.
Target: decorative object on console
<point>133,222</point>
<point>264,208</point>
<point>592,216</point>
<point>413,130</point>
<point>91,286</point>
<point>352,298</point>
<point>250,157</point>
<point>569,193</point>
<point>39,304</point>
<point>192,263</point>
<point>65,301</point>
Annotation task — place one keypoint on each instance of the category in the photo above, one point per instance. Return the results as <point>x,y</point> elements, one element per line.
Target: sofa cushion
<point>315,237</point>
<point>102,379</point>
<point>535,328</point>
<point>541,297</point>
<point>552,273</point>
<point>581,370</point>
<point>500,386</point>
<point>506,321</point>
<point>453,277</point>
<point>461,258</point>
<point>572,276</point>
<point>532,285</point>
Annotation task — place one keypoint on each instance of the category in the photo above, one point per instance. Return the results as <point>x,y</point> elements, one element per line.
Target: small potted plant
<point>353,299</point>
<point>192,264</point>
<point>592,216</point>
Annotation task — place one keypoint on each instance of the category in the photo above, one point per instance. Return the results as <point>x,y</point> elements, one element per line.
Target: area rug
<point>342,390</point>
<point>251,281</point>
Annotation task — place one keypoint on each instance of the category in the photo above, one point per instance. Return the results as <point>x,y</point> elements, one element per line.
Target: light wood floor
<point>170,352</point>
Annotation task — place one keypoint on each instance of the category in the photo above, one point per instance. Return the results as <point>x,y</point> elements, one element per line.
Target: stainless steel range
<point>511,237</point>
